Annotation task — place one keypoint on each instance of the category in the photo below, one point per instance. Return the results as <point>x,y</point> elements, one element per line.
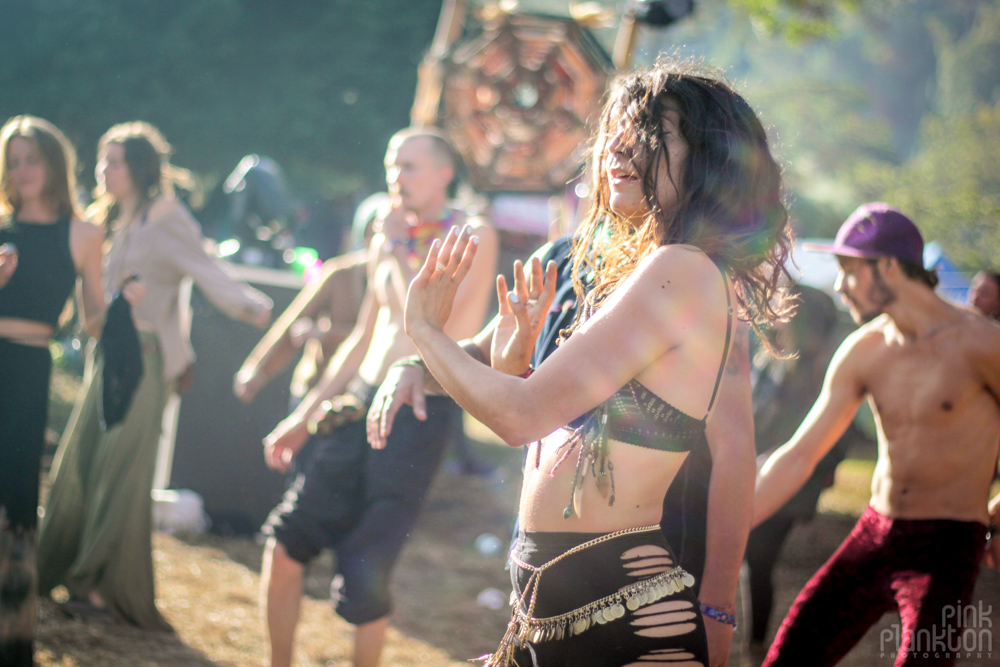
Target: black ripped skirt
<point>603,600</point>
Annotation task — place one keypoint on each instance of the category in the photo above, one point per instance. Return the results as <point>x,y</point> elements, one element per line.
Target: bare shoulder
<point>678,288</point>
<point>482,227</point>
<point>870,336</point>
<point>861,349</point>
<point>163,207</point>
<point>86,241</point>
<point>86,231</point>
<point>977,325</point>
<point>686,269</point>
<point>980,335</point>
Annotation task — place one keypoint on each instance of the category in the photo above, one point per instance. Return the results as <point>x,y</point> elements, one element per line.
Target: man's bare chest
<point>388,284</point>
<point>921,385</point>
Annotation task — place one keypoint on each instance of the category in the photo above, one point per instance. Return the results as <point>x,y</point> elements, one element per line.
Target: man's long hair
<point>730,206</point>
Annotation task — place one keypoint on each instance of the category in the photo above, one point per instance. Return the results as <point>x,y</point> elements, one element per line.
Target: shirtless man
<point>931,373</point>
<point>320,318</point>
<point>361,502</point>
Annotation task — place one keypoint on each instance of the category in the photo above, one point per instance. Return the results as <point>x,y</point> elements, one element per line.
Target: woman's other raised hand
<point>522,313</point>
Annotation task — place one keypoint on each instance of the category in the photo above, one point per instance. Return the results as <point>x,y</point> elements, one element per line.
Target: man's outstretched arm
<point>276,348</point>
<point>292,432</point>
<point>785,471</point>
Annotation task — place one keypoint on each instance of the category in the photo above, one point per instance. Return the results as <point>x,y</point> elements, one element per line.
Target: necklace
<point>424,233</point>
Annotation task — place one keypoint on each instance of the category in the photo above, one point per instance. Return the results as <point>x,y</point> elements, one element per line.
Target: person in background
<point>96,532</point>
<point>984,294</point>
<point>319,319</point>
<point>46,249</point>
<point>363,503</point>
<point>931,372</point>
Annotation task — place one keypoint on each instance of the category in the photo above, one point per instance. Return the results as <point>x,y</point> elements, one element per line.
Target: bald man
<point>363,503</point>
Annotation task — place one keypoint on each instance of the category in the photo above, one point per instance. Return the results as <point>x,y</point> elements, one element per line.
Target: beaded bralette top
<point>633,415</point>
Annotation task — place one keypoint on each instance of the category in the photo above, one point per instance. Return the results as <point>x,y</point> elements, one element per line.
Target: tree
<point>319,86</point>
<point>951,187</point>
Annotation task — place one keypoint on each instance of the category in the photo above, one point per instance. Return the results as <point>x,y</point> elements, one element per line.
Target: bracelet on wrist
<point>991,532</point>
<point>415,361</point>
<point>723,614</point>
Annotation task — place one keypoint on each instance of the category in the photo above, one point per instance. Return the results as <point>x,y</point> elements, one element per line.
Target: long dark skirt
<point>24,409</point>
<point>96,534</point>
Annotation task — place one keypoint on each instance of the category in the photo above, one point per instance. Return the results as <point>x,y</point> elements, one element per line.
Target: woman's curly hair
<point>730,197</point>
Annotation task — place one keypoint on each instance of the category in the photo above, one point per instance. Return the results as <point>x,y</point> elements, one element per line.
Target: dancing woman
<point>97,531</point>
<point>687,227</point>
<point>45,250</point>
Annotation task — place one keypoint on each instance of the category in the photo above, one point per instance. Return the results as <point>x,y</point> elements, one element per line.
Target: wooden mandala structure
<point>517,99</point>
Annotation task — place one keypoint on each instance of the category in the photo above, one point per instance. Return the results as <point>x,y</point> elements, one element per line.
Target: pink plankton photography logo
<point>965,631</point>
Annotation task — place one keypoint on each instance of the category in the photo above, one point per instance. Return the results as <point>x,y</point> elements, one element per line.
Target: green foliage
<point>968,72</point>
<point>952,185</point>
<point>318,86</point>
<point>896,102</point>
<point>796,20</point>
<point>864,99</point>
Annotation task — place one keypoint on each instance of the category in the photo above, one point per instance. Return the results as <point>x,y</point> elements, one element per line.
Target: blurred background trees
<point>866,99</point>
<point>319,85</point>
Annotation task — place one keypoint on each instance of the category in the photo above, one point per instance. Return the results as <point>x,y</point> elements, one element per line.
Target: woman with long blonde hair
<point>97,530</point>
<point>687,230</point>
<point>46,249</point>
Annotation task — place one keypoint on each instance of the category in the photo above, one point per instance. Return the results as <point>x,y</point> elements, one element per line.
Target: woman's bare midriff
<point>25,332</point>
<point>641,475</point>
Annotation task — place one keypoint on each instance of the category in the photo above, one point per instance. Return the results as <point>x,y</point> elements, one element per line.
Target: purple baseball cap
<point>876,230</point>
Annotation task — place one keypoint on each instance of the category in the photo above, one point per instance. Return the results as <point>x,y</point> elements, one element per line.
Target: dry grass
<point>207,587</point>
<point>851,489</point>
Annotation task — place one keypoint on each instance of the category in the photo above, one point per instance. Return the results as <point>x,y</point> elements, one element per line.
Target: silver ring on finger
<point>441,267</point>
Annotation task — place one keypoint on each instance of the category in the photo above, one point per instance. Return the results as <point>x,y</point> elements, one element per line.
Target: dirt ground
<point>207,587</point>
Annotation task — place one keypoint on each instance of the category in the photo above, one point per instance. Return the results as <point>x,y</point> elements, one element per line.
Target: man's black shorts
<point>363,502</point>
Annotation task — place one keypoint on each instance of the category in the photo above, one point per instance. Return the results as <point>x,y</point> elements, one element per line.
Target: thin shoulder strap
<point>725,348</point>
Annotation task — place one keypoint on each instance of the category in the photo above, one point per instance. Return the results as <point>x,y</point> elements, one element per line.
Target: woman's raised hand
<point>432,292</point>
<point>522,312</point>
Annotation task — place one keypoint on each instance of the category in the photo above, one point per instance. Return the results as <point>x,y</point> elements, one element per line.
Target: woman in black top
<point>45,251</point>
